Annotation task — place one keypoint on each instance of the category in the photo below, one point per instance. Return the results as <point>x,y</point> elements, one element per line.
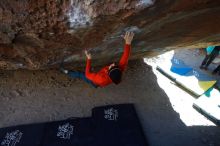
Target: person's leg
<point>217,69</point>
<point>74,74</point>
<point>80,75</point>
<point>84,78</point>
<point>204,61</point>
<point>212,56</point>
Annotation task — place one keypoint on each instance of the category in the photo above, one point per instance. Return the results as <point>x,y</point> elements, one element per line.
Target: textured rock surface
<point>38,34</point>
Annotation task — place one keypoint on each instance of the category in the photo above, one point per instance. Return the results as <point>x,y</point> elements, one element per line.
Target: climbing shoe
<point>63,70</point>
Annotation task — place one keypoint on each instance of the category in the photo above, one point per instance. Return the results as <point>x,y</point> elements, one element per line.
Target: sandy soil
<point>32,97</point>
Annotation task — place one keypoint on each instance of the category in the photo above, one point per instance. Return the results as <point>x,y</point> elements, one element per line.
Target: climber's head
<point>115,73</point>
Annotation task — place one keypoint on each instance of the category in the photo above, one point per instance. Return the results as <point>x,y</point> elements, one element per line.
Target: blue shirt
<point>209,49</point>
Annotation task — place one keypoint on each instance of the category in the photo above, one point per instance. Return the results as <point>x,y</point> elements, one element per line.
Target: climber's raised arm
<point>127,48</point>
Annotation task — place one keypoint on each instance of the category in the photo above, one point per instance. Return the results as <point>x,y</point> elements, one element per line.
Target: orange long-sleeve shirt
<point>101,78</point>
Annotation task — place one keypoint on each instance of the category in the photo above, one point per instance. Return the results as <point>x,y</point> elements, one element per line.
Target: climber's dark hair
<point>115,74</point>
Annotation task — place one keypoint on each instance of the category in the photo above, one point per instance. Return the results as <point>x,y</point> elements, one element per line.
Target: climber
<point>217,70</point>
<point>212,53</point>
<point>108,74</point>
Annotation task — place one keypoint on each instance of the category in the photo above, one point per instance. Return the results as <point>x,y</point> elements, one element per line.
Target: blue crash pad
<point>191,79</point>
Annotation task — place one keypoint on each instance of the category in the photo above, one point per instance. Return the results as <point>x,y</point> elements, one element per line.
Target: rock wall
<point>39,34</point>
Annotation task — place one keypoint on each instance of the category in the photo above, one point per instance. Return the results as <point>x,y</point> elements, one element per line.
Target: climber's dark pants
<point>80,75</point>
<point>209,58</point>
<point>217,69</point>
<point>205,60</point>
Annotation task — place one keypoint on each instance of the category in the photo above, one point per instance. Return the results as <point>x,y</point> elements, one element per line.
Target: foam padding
<point>118,125</point>
<point>193,80</point>
<point>72,132</point>
<point>180,71</point>
<point>200,75</point>
<point>205,85</point>
<point>24,135</point>
<point>113,125</point>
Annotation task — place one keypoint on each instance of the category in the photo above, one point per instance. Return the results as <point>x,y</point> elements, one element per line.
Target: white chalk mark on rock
<point>133,29</point>
<point>77,17</point>
<point>144,3</point>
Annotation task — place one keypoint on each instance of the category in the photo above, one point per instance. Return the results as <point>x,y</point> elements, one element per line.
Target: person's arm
<point>124,59</point>
<point>88,73</point>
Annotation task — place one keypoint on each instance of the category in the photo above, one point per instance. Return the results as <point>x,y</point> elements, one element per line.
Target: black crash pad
<point>24,135</point>
<point>112,125</point>
<point>118,125</point>
<point>71,132</point>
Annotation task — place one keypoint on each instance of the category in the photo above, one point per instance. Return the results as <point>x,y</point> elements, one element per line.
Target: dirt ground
<point>38,96</point>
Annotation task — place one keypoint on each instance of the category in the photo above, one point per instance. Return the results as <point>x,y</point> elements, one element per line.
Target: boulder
<point>40,34</point>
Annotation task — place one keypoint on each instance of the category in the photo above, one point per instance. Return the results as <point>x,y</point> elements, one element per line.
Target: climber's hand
<point>128,37</point>
<point>88,55</point>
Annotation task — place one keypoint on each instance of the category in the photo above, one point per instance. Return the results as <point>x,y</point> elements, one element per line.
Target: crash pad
<point>70,132</point>
<point>118,125</point>
<point>23,135</point>
<point>109,125</point>
<point>191,79</point>
<point>180,71</point>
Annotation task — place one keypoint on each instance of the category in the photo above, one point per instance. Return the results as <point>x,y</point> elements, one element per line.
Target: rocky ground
<point>40,96</point>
